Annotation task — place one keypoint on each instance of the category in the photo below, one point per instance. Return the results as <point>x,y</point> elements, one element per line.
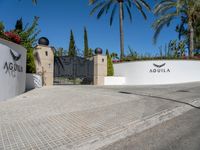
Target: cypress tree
<point>19,25</point>
<point>86,47</point>
<point>110,68</point>
<point>72,48</point>
<point>107,52</point>
<point>1,27</point>
<point>90,54</point>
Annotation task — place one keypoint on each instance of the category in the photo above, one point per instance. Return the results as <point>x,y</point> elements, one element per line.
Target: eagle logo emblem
<point>16,56</point>
<point>159,66</point>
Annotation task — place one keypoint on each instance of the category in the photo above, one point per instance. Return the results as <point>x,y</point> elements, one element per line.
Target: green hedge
<point>110,68</point>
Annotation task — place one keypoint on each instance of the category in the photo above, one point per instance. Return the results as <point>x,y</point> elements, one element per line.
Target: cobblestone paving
<point>67,117</point>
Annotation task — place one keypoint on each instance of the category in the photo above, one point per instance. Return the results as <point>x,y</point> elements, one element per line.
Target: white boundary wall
<point>12,69</point>
<point>114,80</point>
<point>33,81</point>
<point>159,72</point>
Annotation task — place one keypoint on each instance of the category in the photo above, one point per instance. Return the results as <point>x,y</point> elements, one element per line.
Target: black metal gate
<point>73,70</point>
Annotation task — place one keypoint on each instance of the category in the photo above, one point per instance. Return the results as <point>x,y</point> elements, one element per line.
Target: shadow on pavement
<point>158,97</point>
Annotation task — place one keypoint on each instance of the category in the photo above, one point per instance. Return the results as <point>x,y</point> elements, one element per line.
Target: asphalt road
<point>180,133</point>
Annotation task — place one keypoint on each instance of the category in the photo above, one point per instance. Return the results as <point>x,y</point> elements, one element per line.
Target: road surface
<point>180,133</point>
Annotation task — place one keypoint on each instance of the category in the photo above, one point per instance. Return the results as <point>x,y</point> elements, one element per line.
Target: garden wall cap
<point>43,41</point>
<point>98,51</point>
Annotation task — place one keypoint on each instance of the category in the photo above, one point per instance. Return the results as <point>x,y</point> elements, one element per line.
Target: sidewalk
<point>89,117</point>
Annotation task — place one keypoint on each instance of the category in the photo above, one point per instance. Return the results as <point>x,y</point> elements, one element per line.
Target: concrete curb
<point>136,127</point>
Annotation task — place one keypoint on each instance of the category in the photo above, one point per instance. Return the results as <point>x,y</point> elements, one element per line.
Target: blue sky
<point>57,18</point>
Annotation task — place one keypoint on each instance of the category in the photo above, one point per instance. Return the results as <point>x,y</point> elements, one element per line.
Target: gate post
<point>100,67</point>
<point>44,61</point>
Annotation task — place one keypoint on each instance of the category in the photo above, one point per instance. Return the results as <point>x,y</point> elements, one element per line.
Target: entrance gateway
<point>65,70</point>
<point>73,70</point>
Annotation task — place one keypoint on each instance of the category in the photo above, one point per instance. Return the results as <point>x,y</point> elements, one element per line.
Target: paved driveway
<point>89,117</point>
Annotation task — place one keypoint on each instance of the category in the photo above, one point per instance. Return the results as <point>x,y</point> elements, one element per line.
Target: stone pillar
<point>100,69</point>
<point>45,63</point>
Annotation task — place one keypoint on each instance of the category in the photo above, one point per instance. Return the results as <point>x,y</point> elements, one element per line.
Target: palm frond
<point>164,7</point>
<point>139,7</point>
<point>108,5</point>
<point>96,8</point>
<point>129,12</point>
<point>112,14</point>
<point>34,1</point>
<point>161,22</point>
<point>92,2</point>
<point>145,4</point>
<point>102,10</point>
<point>103,6</point>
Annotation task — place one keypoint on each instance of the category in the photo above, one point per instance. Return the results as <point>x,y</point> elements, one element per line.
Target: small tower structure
<point>44,60</point>
<point>100,67</point>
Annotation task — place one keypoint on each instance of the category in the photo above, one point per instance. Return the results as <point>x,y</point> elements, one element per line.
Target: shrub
<point>28,40</point>
<point>1,27</point>
<point>132,55</point>
<point>110,69</point>
<point>11,36</point>
<point>30,63</point>
<point>24,36</point>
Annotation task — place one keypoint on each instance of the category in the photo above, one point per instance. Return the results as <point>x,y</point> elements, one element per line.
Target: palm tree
<point>167,10</point>
<point>105,5</point>
<point>183,30</point>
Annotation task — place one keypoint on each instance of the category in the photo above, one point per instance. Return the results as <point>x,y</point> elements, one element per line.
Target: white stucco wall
<point>114,80</point>
<point>159,72</point>
<point>33,81</point>
<point>12,69</point>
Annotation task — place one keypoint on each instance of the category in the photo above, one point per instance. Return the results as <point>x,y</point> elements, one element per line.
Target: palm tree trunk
<point>121,30</point>
<point>191,32</point>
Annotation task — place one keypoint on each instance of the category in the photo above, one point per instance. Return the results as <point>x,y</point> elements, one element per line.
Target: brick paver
<point>69,117</point>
